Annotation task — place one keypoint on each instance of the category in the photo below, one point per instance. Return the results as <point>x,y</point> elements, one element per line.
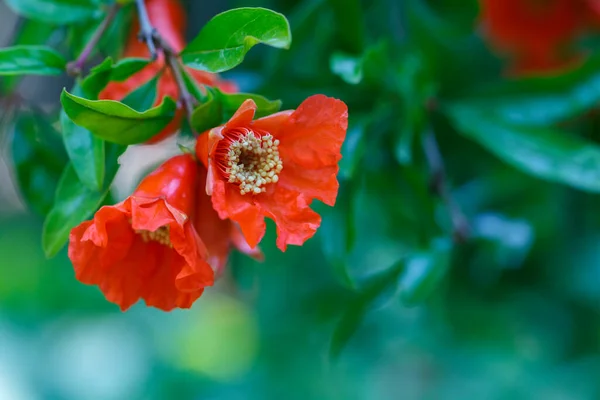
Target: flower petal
<point>243,116</point>
<point>274,123</point>
<point>295,221</point>
<point>229,203</point>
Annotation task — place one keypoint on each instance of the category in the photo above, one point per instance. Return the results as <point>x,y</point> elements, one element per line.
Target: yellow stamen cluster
<point>254,162</point>
<point>161,235</point>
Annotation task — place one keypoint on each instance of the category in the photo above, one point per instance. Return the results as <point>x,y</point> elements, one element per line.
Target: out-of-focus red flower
<point>275,166</point>
<point>219,235</point>
<point>537,34</point>
<point>146,246</point>
<point>168,17</point>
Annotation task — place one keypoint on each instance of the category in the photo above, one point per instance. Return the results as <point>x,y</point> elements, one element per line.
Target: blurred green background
<point>385,302</point>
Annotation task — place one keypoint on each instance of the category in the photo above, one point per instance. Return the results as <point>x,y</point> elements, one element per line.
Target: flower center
<point>161,235</point>
<point>251,160</point>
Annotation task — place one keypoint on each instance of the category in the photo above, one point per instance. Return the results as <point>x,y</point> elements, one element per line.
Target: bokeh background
<point>386,302</point>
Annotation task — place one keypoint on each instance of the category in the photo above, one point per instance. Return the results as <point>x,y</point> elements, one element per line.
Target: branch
<point>74,68</point>
<point>155,41</point>
<point>439,186</point>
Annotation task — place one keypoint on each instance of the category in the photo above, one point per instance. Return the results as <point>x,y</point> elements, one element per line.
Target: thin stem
<point>439,186</point>
<point>154,41</point>
<point>147,31</point>
<point>74,68</point>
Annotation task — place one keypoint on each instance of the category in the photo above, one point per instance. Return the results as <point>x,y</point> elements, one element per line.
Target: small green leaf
<point>543,152</point>
<point>423,271</point>
<point>347,67</point>
<point>58,12</point>
<point>218,107</point>
<point>39,159</point>
<point>224,40</point>
<point>31,60</point>
<point>114,121</point>
<point>73,204</point>
<point>107,71</point>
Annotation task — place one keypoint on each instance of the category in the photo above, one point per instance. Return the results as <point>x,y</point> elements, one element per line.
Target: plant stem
<point>74,68</point>
<point>439,185</point>
<point>154,41</point>
<point>147,31</point>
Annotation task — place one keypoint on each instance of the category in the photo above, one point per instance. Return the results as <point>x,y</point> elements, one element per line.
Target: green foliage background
<point>384,302</point>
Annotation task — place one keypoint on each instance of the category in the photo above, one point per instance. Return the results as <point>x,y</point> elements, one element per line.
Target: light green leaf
<point>143,97</point>
<point>59,12</point>
<point>543,152</point>
<point>114,121</point>
<point>224,40</point>
<point>107,71</point>
<point>31,60</point>
<point>347,67</point>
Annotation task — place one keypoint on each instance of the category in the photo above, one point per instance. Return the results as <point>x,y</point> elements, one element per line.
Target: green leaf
<point>75,202</point>
<point>218,107</point>
<point>107,71</point>
<point>114,121</point>
<point>224,40</point>
<point>347,67</point>
<point>39,159</point>
<point>29,33</point>
<point>350,22</point>
<point>423,271</point>
<point>543,152</point>
<point>58,12</point>
<point>31,60</point>
<point>540,101</point>
<point>143,97</point>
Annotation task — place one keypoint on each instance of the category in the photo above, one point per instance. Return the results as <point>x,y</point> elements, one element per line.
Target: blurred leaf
<point>347,67</point>
<point>29,33</point>
<point>39,159</point>
<point>423,271</point>
<point>377,286</point>
<point>542,152</point>
<point>225,39</point>
<point>86,151</point>
<point>59,12</point>
<point>31,60</point>
<point>218,107</point>
<point>350,24</point>
<point>114,121</point>
<point>143,97</point>
<point>108,70</point>
<point>353,148</point>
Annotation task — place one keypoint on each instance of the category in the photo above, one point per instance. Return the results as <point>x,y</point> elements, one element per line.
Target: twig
<point>147,31</point>
<point>154,42</point>
<point>74,68</point>
<point>439,186</point>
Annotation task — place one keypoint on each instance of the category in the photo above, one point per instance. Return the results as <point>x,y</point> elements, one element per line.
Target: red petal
<point>240,243</point>
<point>274,123</point>
<point>229,203</point>
<point>295,221</point>
<point>243,116</point>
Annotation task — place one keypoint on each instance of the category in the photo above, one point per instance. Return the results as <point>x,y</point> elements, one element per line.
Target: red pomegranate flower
<point>168,17</point>
<point>146,246</point>
<point>275,166</point>
<point>538,34</point>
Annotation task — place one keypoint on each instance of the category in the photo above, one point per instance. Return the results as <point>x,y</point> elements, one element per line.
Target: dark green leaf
<point>59,12</point>
<point>224,40</point>
<point>39,159</point>
<point>75,202</point>
<point>115,122</point>
<point>31,60</point>
<point>218,107</point>
<point>423,271</point>
<point>350,22</point>
<point>108,71</point>
<point>143,97</point>
<point>544,152</point>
